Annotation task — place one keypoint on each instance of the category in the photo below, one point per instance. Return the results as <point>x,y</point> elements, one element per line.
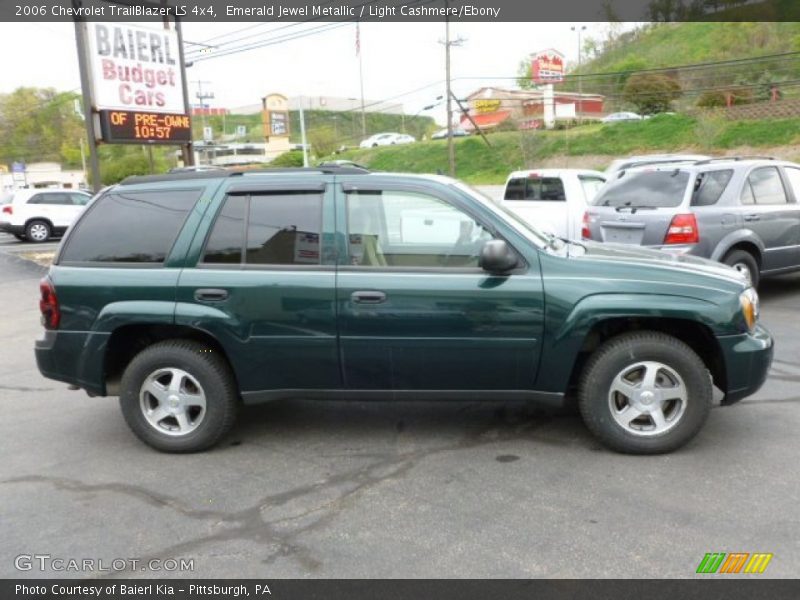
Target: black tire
<point>741,260</point>
<point>626,351</point>
<point>216,381</point>
<point>20,237</point>
<point>38,231</point>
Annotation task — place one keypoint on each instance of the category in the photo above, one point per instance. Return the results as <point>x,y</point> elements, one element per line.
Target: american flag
<point>358,40</point>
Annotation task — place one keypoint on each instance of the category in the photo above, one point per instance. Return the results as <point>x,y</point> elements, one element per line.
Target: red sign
<point>547,67</point>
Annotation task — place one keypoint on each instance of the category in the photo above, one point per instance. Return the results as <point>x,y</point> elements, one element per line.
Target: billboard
<point>135,68</point>
<point>547,66</point>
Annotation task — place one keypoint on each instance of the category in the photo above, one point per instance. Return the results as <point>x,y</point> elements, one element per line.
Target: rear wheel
<point>645,393</point>
<point>179,396</point>
<point>38,231</point>
<point>745,263</point>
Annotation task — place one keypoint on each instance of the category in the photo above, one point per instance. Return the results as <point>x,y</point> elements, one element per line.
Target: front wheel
<point>179,396</point>
<point>645,393</point>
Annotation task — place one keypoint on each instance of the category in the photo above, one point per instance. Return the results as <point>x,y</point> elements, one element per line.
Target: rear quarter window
<point>648,189</point>
<point>129,227</point>
<point>708,187</point>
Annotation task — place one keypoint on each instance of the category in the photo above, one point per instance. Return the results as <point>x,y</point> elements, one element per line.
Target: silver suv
<point>743,212</point>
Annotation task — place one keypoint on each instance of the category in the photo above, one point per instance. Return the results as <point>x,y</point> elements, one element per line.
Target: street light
<point>579,29</point>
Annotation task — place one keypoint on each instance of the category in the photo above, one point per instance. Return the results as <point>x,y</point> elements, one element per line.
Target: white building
<point>42,175</point>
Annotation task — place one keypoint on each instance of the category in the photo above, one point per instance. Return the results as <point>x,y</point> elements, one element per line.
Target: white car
<point>552,200</point>
<point>621,116</point>
<point>442,133</point>
<point>386,139</point>
<point>37,215</point>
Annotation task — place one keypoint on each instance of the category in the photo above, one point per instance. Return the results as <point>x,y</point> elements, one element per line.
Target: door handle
<point>752,217</point>
<point>210,295</point>
<point>370,297</point>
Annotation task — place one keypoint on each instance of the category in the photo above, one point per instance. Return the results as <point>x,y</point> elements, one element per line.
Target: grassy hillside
<point>591,146</point>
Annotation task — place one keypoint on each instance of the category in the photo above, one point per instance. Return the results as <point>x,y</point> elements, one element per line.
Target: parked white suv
<point>37,215</point>
<point>552,200</point>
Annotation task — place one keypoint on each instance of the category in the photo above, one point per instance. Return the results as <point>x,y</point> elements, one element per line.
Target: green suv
<point>188,294</point>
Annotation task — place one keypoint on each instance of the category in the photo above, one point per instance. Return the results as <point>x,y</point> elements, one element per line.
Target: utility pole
<point>361,80</point>
<point>303,134</point>
<point>578,29</point>
<point>451,149</point>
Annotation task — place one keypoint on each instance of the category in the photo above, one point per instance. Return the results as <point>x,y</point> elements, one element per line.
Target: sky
<point>397,58</point>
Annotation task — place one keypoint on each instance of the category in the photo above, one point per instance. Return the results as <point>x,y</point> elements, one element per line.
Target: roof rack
<point>734,158</point>
<point>222,172</point>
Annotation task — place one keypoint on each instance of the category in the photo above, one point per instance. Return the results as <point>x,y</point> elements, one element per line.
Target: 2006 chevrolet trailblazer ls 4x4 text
<point>187,294</point>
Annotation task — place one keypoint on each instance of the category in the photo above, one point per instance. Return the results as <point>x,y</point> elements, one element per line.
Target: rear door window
<point>708,187</point>
<point>536,188</point>
<point>52,198</point>
<point>645,189</point>
<point>766,186</point>
<point>281,228</point>
<point>129,227</point>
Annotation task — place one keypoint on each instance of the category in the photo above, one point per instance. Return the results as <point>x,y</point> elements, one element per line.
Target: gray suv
<point>743,212</point>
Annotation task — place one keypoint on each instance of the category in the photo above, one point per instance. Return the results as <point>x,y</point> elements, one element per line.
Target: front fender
<point>564,336</point>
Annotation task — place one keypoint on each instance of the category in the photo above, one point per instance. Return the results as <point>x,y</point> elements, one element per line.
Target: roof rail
<point>219,173</point>
<point>734,158</point>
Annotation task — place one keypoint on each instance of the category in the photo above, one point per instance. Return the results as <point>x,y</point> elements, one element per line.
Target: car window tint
<point>56,198</point>
<point>708,187</point>
<point>409,229</point>
<point>105,234</point>
<point>792,173</point>
<point>284,229</point>
<point>767,186</point>
<point>645,189</point>
<point>538,188</point>
<point>226,242</point>
<point>591,185</point>
<point>515,189</point>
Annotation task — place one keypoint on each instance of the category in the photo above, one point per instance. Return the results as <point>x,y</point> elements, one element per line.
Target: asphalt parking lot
<point>338,489</point>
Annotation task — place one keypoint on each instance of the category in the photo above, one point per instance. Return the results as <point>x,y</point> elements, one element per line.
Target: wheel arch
<point>740,240</point>
<point>126,341</point>
<point>695,334</point>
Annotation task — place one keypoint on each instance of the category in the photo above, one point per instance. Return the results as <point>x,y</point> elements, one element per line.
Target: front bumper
<point>748,358</point>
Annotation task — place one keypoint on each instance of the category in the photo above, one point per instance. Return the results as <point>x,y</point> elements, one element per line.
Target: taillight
<point>8,209</point>
<point>682,230</point>
<point>48,304</point>
<point>586,234</point>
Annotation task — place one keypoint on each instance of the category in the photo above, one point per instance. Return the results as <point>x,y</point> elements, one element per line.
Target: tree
<point>651,93</point>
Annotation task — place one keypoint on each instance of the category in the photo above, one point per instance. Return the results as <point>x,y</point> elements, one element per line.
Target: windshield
<point>644,189</point>
<point>526,229</point>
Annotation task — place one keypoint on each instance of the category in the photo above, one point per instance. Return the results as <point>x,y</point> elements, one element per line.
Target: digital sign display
<point>124,126</point>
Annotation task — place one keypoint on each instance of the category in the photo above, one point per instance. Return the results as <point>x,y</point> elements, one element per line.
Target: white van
<point>552,200</point>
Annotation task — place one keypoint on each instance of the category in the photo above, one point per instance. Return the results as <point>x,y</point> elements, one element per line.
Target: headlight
<point>750,307</point>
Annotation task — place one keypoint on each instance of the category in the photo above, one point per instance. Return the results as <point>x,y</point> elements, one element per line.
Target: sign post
<point>547,68</point>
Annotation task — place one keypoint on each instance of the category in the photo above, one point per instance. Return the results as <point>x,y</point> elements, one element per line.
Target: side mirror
<point>497,257</point>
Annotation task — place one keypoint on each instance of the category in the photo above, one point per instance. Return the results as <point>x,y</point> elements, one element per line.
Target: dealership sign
<point>547,66</point>
<point>135,68</point>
